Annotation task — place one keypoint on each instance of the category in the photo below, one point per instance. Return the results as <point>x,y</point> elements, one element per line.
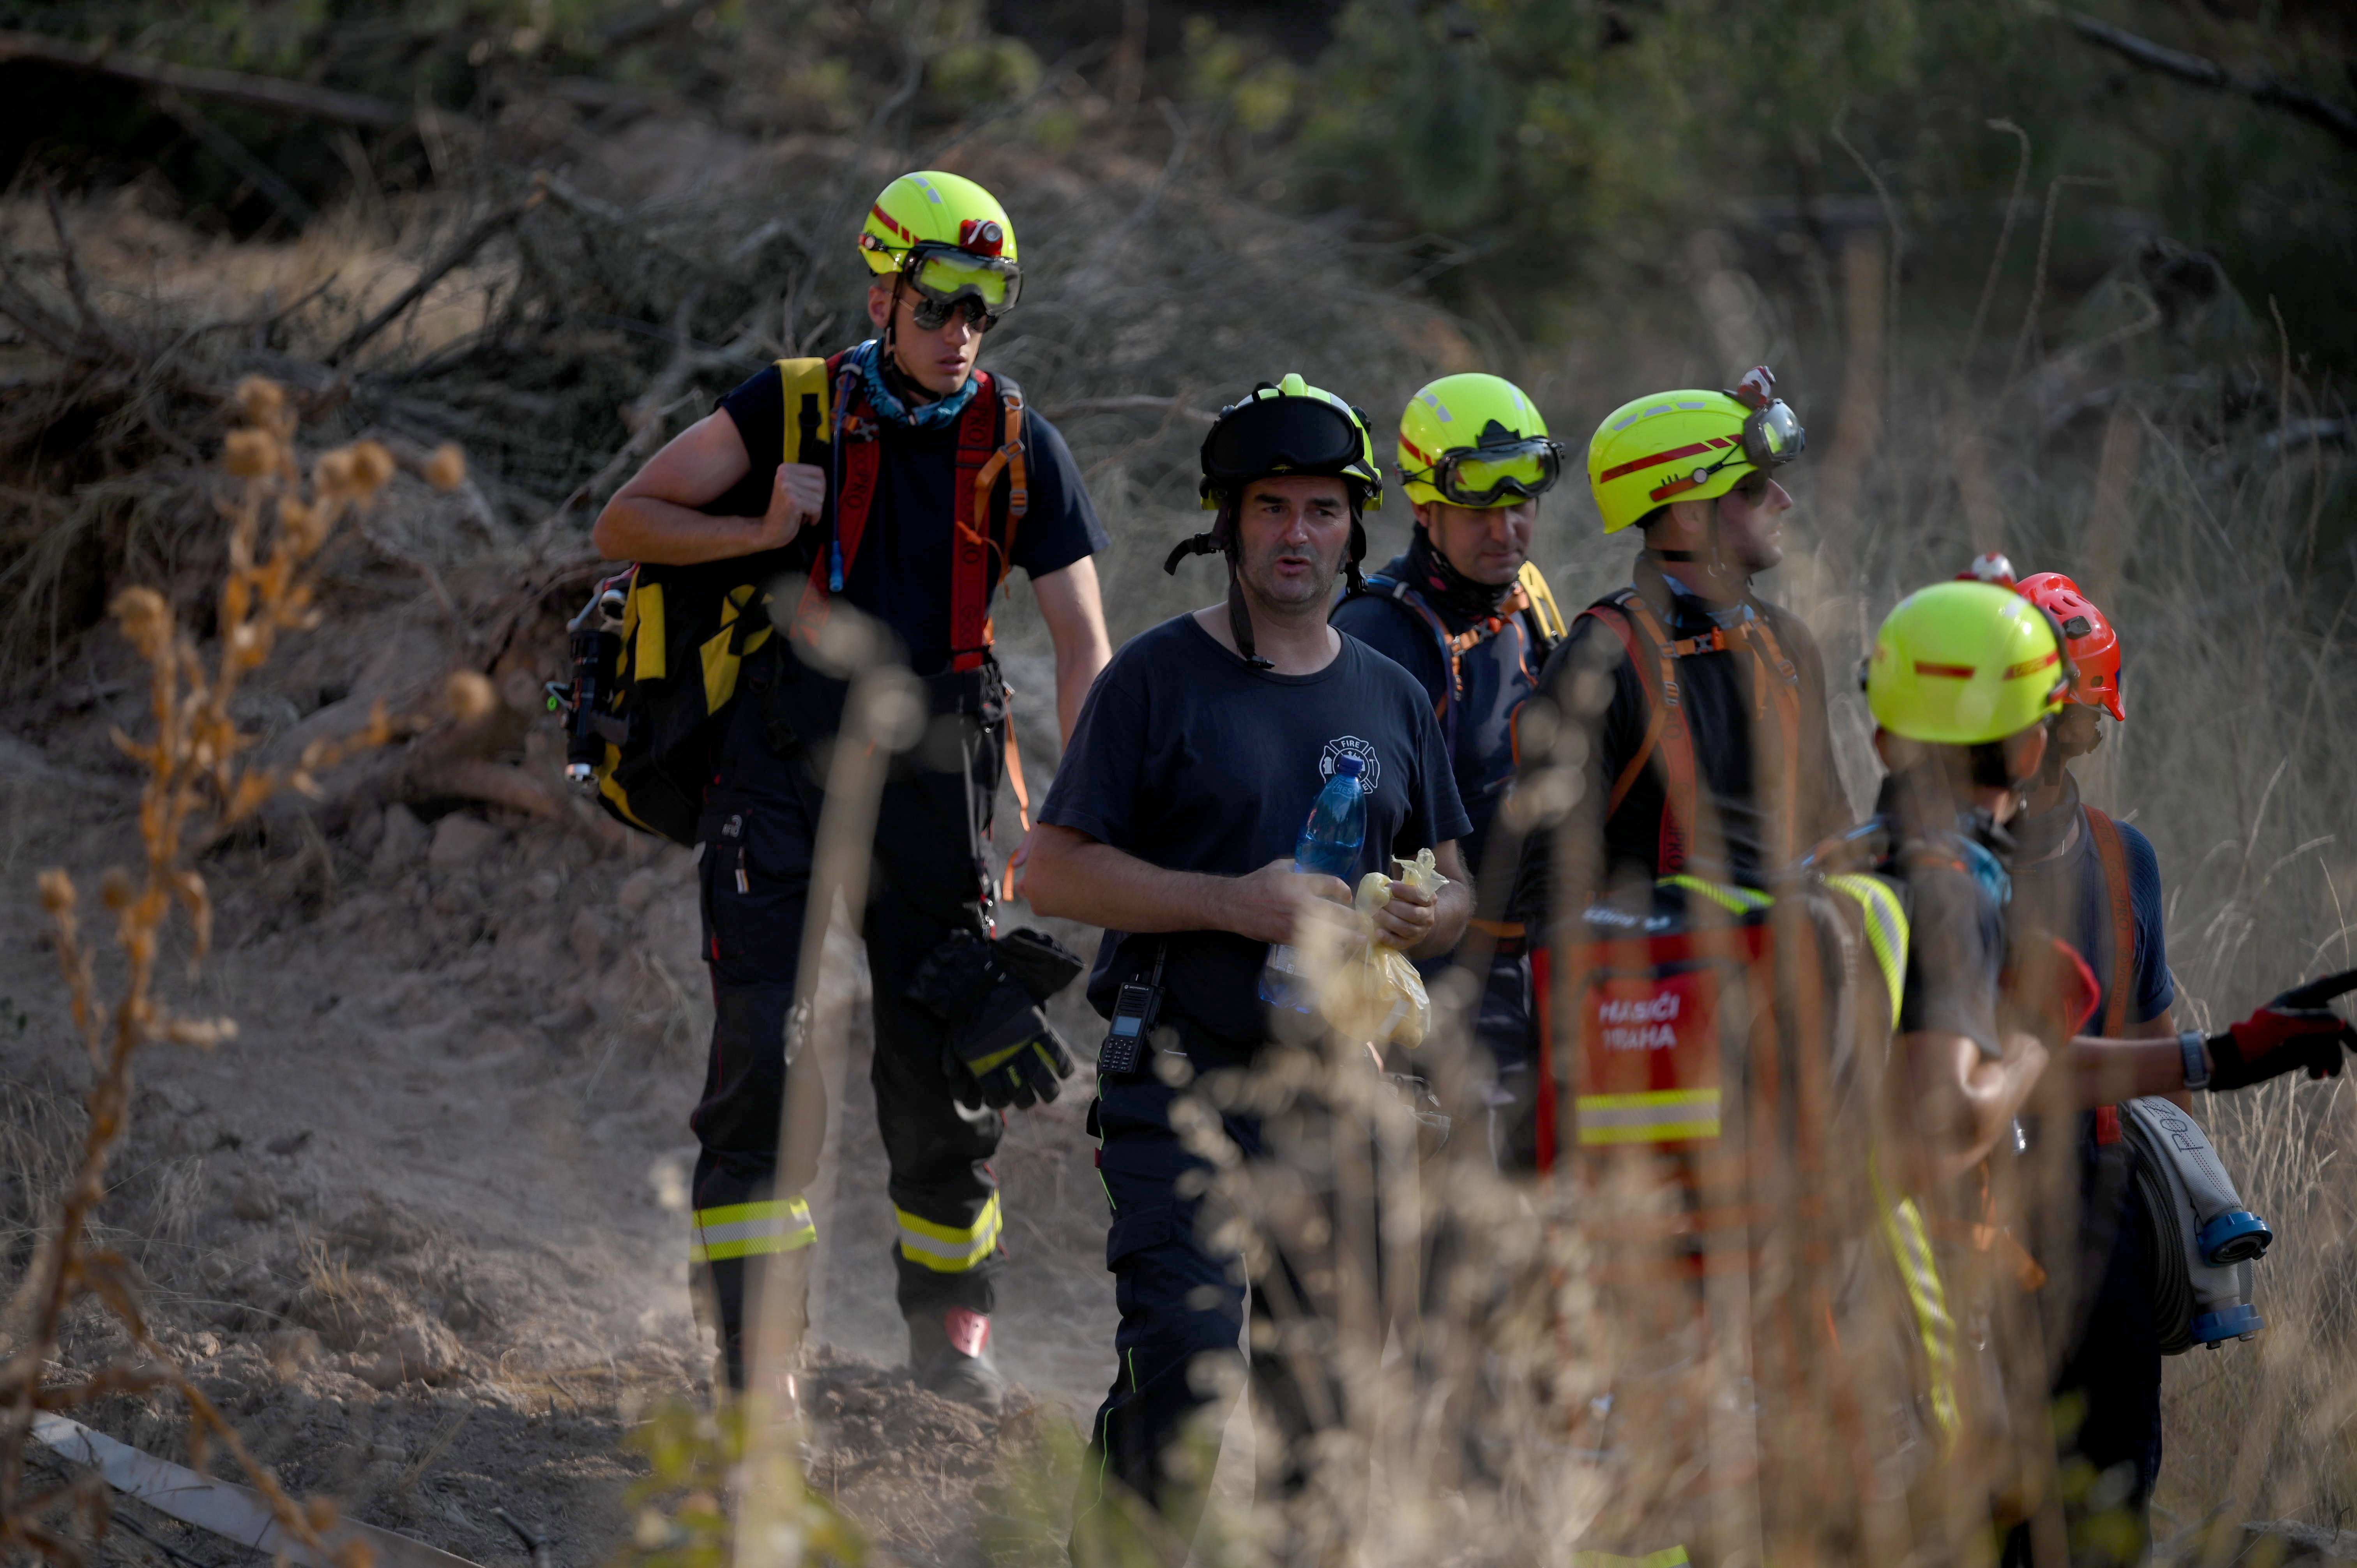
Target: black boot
<point>949,1353</point>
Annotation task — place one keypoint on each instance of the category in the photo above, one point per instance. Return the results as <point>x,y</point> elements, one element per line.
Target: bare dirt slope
<point>419,1226</point>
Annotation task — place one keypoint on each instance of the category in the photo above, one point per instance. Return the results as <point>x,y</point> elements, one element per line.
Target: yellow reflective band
<point>1542,603</point>
<point>751,1229</point>
<point>948,1248</point>
<point>1667,1557</point>
<point>1734,900</point>
<point>1657,1116</point>
<point>1911,1247</point>
<point>642,617</point>
<point>1885,930</point>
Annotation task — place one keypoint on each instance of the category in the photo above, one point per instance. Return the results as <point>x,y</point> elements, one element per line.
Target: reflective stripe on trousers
<point>950,1249</point>
<point>750,1231</point>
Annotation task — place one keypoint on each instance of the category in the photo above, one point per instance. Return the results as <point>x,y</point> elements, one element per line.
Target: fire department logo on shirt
<point>1350,745</point>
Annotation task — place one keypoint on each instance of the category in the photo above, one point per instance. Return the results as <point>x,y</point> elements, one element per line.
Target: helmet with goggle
<point>1474,440</point>
<point>949,242</point>
<point>1285,427</point>
<point>1290,427</point>
<point>1689,445</point>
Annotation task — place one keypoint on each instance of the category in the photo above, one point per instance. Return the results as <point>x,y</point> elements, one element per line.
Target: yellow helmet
<point>1474,440</point>
<point>948,236</point>
<point>1688,446</point>
<point>1965,663</point>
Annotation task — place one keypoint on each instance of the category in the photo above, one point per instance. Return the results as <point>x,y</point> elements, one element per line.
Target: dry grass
<point>1473,1434</point>
<point>196,778</point>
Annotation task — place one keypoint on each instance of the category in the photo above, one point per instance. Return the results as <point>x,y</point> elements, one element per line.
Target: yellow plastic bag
<point>1374,994</point>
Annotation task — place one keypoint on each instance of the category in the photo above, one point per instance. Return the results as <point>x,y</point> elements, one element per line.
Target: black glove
<point>1043,964</point>
<point>2280,1038</point>
<point>1002,1049</point>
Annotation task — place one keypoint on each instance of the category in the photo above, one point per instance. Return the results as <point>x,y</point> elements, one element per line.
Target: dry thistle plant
<point>199,780</point>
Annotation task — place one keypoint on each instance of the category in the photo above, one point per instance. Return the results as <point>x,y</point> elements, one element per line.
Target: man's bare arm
<point>2146,1060</point>
<point>654,517</point>
<point>1072,875</point>
<point>1074,610</point>
<point>1959,1102</point>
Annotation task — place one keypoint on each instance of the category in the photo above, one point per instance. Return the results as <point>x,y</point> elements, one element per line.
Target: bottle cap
<point>1350,763</point>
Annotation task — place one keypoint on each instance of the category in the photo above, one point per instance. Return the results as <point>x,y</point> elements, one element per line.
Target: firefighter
<point>922,483</point>
<point>1969,684</point>
<point>2096,883</point>
<point>1712,752</point>
<point>1172,824</point>
<point>1465,611</point>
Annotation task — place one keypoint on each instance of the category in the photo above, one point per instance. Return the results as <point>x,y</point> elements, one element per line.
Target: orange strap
<point>2113,855</point>
<point>1543,1009</point>
<point>973,576</point>
<point>978,563</point>
<point>1007,886</point>
<point>1785,689</point>
<point>1636,625</point>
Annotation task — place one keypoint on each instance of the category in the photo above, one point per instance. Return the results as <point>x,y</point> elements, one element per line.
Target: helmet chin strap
<point>1718,556</point>
<point>1220,539</point>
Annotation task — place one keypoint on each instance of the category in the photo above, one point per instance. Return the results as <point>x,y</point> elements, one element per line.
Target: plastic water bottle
<point>1329,846</point>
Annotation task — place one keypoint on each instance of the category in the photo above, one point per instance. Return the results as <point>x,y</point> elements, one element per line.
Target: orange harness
<point>2113,854</point>
<point>989,443</point>
<point>1653,653</point>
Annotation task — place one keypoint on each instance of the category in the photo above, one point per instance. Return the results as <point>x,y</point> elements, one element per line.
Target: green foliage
<point>687,1506</point>
<point>1549,144</point>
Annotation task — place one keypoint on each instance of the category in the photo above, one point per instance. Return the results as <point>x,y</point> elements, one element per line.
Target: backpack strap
<point>1651,653</point>
<point>989,443</point>
<point>1452,667</point>
<point>1785,692</point>
<point>856,459</point>
<point>809,406</point>
<point>2113,855</point>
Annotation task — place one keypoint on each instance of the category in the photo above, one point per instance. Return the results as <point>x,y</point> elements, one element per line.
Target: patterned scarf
<point>888,405</point>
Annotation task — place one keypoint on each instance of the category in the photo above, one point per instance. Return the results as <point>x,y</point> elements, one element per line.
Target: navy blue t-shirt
<point>900,574</point>
<point>1484,759</point>
<point>2067,891</point>
<point>1192,760</point>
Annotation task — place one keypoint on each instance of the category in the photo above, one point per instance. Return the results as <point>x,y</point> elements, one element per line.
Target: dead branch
<point>2270,91</point>
<point>270,92</point>
<point>238,156</point>
<point>457,255</point>
<point>492,783</point>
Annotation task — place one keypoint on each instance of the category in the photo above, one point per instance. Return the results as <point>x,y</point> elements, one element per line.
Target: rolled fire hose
<point>2203,1240</point>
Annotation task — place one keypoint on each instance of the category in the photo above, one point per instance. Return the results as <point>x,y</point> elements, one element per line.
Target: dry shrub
<point>197,778</point>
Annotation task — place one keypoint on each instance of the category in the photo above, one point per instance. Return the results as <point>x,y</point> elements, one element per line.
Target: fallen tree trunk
<point>233,1512</point>
<point>271,93</point>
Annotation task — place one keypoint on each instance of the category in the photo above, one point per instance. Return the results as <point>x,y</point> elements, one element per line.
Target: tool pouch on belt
<point>1002,1049</point>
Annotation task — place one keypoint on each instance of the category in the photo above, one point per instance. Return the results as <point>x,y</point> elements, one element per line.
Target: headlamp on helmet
<point>1771,436</point>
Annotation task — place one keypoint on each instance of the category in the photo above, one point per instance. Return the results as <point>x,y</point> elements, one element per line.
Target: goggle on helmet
<point>1771,436</point>
<point>1502,464</point>
<point>1290,427</point>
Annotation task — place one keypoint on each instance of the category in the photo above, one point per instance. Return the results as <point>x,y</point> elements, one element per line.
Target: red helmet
<point>2094,646</point>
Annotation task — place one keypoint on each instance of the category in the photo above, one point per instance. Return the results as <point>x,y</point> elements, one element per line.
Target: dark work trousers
<point>757,836</point>
<point>1181,1302</point>
<point>1505,1026</point>
<point>2107,1392</point>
